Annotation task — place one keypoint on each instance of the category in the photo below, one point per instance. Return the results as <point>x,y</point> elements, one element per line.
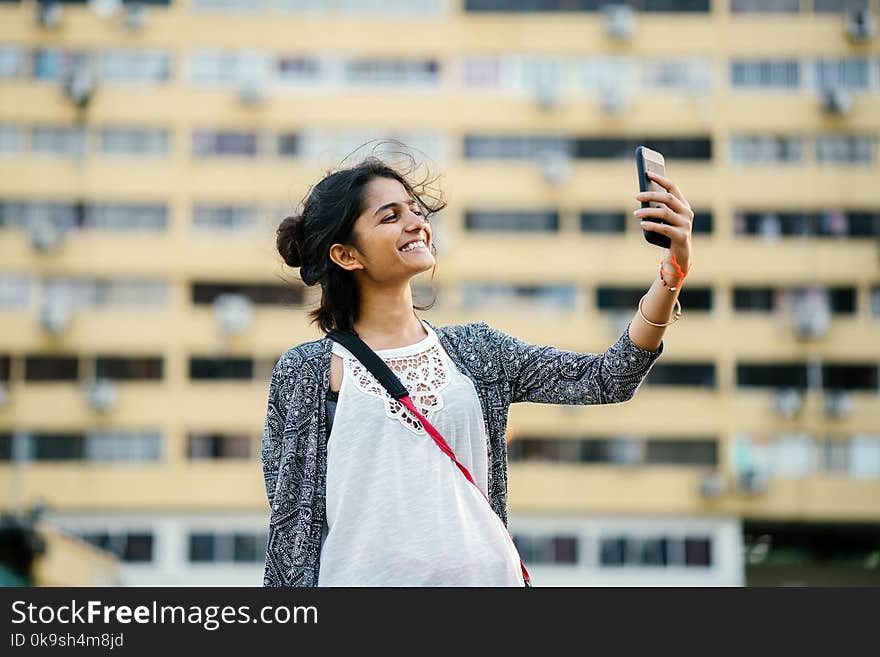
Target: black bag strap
<point>371,361</point>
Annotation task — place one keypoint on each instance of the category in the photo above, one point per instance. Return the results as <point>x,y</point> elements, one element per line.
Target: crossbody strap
<point>398,391</point>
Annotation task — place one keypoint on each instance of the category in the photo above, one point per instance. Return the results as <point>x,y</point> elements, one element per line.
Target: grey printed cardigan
<point>504,370</point>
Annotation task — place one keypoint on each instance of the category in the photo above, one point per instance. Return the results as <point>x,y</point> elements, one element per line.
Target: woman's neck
<point>387,321</point>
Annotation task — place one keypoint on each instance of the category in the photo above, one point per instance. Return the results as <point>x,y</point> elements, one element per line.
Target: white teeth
<point>413,245</point>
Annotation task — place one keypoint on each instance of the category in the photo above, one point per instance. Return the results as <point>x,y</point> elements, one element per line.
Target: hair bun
<point>289,239</point>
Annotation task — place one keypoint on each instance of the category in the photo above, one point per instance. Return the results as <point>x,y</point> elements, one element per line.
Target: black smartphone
<point>649,160</point>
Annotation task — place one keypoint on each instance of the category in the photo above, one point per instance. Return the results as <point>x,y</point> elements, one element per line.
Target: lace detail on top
<point>420,367</point>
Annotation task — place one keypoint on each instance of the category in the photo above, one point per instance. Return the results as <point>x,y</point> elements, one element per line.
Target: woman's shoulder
<point>295,357</point>
<point>472,333</point>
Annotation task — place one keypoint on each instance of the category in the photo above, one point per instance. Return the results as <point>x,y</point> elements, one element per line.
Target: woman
<point>359,493</point>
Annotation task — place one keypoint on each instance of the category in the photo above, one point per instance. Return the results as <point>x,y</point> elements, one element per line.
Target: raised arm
<point>547,375</point>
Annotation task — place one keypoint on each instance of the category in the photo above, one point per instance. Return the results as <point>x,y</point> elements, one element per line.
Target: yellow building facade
<point>147,153</point>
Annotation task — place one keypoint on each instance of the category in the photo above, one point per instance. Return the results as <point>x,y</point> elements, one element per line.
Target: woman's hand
<point>678,217</point>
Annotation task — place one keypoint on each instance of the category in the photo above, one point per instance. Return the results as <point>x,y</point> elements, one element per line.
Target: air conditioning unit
<point>102,395</point>
<point>837,403</point>
<point>252,92</point>
<point>861,25</point>
<point>79,86</point>
<point>135,16</point>
<point>44,234</point>
<point>49,14</point>
<point>55,317</point>
<point>812,314</point>
<point>233,313</point>
<point>619,21</point>
<point>788,403</point>
<point>547,94</point>
<point>712,485</point>
<point>751,482</point>
<point>836,101</point>
<point>555,167</point>
<point>614,99</point>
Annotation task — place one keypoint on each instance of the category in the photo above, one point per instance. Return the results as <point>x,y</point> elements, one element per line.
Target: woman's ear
<point>345,257</point>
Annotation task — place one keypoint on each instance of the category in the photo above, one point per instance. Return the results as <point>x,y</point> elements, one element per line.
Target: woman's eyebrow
<point>392,204</point>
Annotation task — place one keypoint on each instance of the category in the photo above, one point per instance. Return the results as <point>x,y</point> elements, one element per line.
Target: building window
<point>269,294</point>
<point>55,447</point>
<point>64,141</point>
<point>682,374</point>
<point>849,377</point>
<point>233,218</point>
<point>778,375</point>
<point>702,223</point>
<point>519,221</point>
<point>396,72</point>
<point>765,74</point>
<point>844,149</point>
<point>603,222</point>
<point>615,299</point>
<point>16,291</point>
<point>237,547</point>
<point>513,146</point>
<point>841,300</point>
<point>655,551</point>
<point>620,451</point>
<point>202,446</point>
<point>133,547</point>
<point>11,61</point>
<point>125,217</point>
<point>122,446</point>
<point>526,297</point>
<point>765,6</point>
<point>139,66</point>
<point>5,447</point>
<point>547,550</point>
<point>832,222</point>
<point>224,68</point>
<point>299,71</point>
<point>685,148</point>
<point>206,143</point>
<point>844,72</point>
<point>75,294</point>
<point>835,6</point>
<point>765,149</point>
<point>52,64</point>
<point>686,74</point>
<point>288,145</point>
<point>51,368</point>
<point>10,140</point>
<point>220,368</point>
<point>129,368</point>
<point>140,142</point>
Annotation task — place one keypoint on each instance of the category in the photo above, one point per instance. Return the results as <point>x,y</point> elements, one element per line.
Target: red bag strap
<point>446,449</point>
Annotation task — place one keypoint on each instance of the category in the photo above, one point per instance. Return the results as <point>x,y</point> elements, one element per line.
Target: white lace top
<point>399,511</point>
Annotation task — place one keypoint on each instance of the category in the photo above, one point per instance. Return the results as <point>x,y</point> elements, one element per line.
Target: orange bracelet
<point>681,274</point>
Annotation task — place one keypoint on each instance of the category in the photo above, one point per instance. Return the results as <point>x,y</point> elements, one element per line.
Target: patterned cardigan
<point>504,370</point>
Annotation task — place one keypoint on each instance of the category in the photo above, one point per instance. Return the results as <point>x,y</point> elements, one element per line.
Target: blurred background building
<point>149,149</point>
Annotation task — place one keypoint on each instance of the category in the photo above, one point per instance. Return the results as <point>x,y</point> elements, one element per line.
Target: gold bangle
<point>675,315</point>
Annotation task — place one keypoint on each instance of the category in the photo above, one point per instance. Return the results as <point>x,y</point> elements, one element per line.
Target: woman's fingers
<point>673,233</point>
<point>663,181</point>
<point>665,213</point>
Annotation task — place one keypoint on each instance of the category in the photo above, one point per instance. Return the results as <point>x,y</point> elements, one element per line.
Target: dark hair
<point>328,215</point>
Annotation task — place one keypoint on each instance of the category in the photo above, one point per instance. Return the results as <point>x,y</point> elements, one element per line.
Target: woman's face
<point>391,220</point>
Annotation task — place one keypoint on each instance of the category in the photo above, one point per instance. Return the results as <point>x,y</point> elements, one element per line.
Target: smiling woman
<point>360,493</point>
